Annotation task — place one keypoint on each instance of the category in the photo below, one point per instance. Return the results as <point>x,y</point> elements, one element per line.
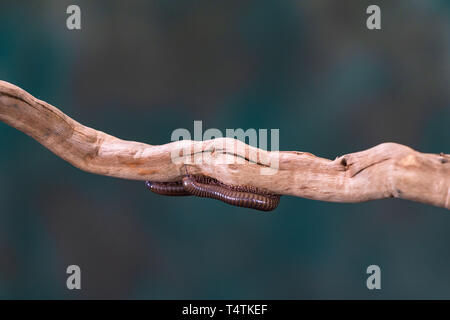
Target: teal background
<point>140,69</point>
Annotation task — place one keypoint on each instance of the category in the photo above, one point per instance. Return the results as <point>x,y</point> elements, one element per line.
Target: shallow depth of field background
<point>140,69</point>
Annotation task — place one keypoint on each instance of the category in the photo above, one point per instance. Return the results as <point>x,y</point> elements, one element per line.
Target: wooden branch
<point>387,170</point>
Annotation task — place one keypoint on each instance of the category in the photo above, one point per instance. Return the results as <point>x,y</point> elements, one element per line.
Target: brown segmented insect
<point>207,187</point>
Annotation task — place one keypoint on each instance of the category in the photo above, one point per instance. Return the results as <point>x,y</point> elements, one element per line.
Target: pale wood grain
<point>386,170</point>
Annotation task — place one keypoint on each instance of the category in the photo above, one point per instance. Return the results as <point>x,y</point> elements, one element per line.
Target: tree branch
<point>387,170</point>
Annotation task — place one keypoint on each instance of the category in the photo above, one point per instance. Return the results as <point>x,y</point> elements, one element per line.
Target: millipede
<point>167,188</point>
<point>208,187</point>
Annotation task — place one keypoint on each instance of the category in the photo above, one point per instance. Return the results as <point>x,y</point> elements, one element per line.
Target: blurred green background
<point>140,69</point>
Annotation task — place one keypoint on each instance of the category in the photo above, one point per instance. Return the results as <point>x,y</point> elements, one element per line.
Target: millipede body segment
<point>207,187</point>
<point>167,188</point>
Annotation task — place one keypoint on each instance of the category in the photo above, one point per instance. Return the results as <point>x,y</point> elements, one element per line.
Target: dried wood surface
<point>386,170</point>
